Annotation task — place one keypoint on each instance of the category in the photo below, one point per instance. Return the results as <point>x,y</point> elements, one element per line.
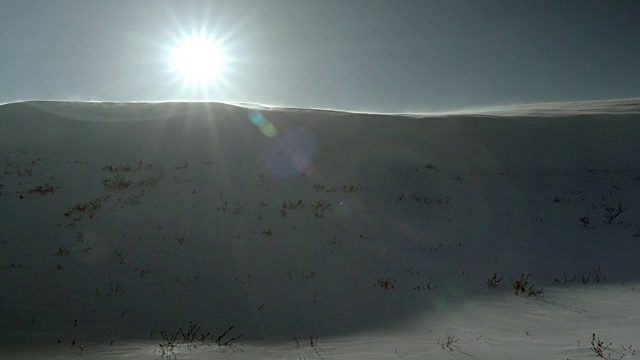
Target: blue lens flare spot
<point>267,128</point>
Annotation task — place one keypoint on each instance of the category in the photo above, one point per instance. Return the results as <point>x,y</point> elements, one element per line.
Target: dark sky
<point>385,56</point>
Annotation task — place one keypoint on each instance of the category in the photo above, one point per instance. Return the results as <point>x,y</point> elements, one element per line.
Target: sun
<point>198,60</point>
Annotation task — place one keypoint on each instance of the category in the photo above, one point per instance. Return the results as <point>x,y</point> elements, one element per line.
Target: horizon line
<point>579,107</point>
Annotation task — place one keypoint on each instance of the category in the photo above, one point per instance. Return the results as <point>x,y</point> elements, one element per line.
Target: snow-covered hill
<point>318,233</point>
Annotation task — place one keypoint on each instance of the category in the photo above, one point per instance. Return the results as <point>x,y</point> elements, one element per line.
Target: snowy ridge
<point>599,107</point>
<point>93,109</point>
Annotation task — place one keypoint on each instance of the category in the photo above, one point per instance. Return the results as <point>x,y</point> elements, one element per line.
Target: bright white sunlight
<point>198,60</point>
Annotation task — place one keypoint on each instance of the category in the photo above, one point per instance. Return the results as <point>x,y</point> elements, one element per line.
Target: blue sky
<point>385,56</point>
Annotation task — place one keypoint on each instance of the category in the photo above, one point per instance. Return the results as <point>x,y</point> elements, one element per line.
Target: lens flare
<point>293,155</point>
<point>267,128</point>
<point>290,155</point>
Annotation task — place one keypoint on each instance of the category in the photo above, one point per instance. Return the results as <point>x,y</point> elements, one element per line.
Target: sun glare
<point>198,60</point>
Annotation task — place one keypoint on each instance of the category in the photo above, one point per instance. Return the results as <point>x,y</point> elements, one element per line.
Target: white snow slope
<point>148,230</point>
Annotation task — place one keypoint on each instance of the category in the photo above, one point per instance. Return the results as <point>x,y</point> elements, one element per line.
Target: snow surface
<point>318,234</point>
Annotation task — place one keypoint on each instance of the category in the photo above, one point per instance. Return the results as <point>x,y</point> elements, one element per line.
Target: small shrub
<point>239,208</point>
<point>140,165</point>
<point>220,339</point>
<point>183,240</point>
<point>43,189</point>
<point>598,346</point>
<point>308,276</point>
<point>613,212</point>
<point>91,207</point>
<point>386,283</point>
<point>192,334</point>
<point>132,200</point>
<point>559,200</point>
<point>595,275</point>
<point>521,286</point>
<point>117,183</point>
<point>320,207</point>
<point>494,281</point>
<point>168,347</point>
<point>564,281</point>
<point>191,338</point>
<point>350,188</point>
<point>448,342</point>
<point>290,205</point>
<point>584,220</point>
<point>422,287</point>
<point>117,289</point>
<point>431,166</point>
<point>62,250</point>
<point>148,182</point>
<point>122,256</point>
<point>313,341</point>
<point>428,200</point>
